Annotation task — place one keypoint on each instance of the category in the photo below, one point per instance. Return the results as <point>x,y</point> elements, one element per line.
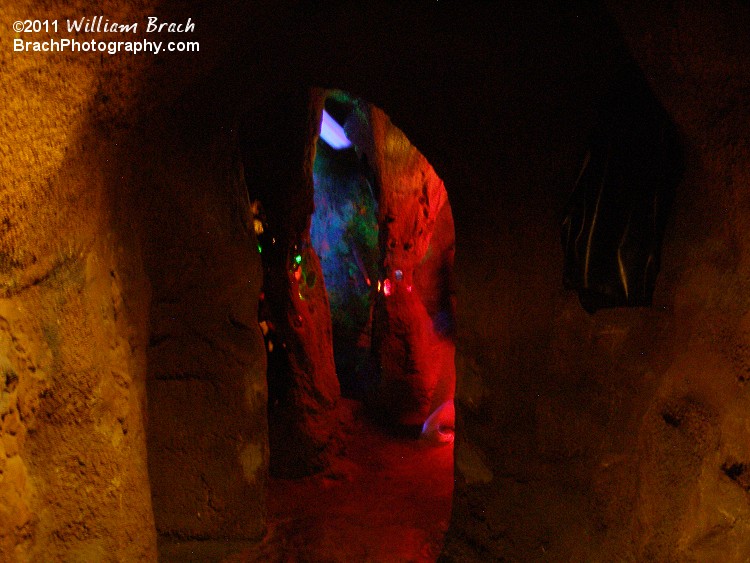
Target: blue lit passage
<point>344,234</point>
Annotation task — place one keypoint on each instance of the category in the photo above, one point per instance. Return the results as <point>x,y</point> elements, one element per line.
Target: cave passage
<point>383,230</point>
<point>344,233</point>
<point>377,256</point>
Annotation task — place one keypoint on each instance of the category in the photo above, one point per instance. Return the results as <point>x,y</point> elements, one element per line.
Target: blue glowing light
<point>440,425</point>
<point>332,133</point>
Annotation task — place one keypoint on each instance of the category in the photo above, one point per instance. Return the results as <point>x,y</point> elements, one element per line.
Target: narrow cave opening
<point>357,312</point>
<point>344,232</point>
<point>383,229</point>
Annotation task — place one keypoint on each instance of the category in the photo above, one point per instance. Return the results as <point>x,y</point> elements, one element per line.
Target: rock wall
<point>415,355</point>
<point>692,442</point>
<point>278,150</point>
<point>207,431</point>
<point>126,256</point>
<point>73,313</point>
<point>620,432</point>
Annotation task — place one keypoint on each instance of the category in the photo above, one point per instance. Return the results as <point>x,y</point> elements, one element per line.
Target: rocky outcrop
<point>413,344</point>
<point>301,374</point>
<point>74,304</point>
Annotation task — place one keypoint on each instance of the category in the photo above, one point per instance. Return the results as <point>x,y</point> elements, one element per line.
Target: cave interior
<point>250,295</point>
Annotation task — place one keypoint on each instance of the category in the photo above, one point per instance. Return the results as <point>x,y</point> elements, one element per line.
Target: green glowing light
<point>260,249</point>
<point>298,259</point>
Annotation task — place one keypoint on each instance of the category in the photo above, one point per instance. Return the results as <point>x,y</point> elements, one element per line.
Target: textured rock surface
<point>208,451</point>
<point>638,444</point>
<point>302,406</point>
<point>73,313</point>
<point>415,351</point>
<point>97,211</point>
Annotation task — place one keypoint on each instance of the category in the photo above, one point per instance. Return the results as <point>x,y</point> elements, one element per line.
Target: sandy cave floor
<point>387,499</point>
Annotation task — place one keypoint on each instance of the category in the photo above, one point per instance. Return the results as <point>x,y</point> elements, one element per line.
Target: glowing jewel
<point>260,248</point>
<point>379,285</point>
<point>332,133</point>
<point>399,275</point>
<point>387,287</point>
<point>258,226</point>
<point>298,259</point>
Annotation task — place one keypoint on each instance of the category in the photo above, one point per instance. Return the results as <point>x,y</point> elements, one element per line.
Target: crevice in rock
<point>737,472</point>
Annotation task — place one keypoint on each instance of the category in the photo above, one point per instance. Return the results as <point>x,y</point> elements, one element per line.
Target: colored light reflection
<point>258,226</point>
<point>440,425</point>
<point>298,259</point>
<point>332,133</point>
<point>387,289</point>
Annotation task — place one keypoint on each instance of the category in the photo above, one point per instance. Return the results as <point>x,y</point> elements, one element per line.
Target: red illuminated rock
<point>413,343</point>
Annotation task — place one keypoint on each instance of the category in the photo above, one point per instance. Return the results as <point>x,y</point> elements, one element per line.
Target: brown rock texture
<point>639,443</point>
<point>109,278</point>
<point>207,432</point>
<point>73,315</point>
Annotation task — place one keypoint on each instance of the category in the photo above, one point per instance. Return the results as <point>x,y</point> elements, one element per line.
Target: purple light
<point>332,133</point>
<point>440,425</point>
